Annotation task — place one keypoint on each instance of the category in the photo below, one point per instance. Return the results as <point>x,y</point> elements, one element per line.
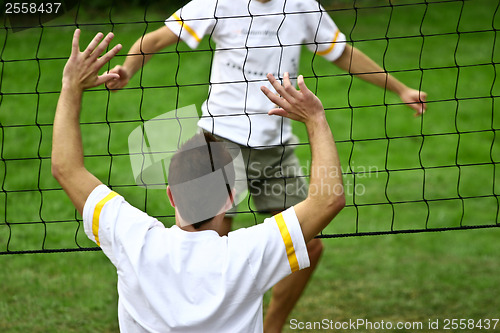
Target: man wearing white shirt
<point>193,277</point>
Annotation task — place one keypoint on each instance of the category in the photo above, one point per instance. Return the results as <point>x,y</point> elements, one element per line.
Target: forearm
<point>146,46</point>
<point>326,184</point>
<point>359,64</point>
<point>326,192</point>
<point>140,53</point>
<point>67,151</point>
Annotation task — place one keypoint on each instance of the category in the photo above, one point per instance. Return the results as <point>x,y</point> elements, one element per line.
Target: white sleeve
<point>193,21</point>
<point>114,225</point>
<point>274,249</point>
<point>324,37</point>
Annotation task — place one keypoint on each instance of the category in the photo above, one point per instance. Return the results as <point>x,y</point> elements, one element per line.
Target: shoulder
<point>99,197</point>
<point>105,207</point>
<point>281,229</point>
<point>272,249</point>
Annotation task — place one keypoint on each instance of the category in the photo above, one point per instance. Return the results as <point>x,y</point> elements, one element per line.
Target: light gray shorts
<point>274,177</point>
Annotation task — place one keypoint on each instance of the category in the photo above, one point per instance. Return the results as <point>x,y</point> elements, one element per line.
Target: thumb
<point>278,112</point>
<point>118,69</point>
<point>115,69</point>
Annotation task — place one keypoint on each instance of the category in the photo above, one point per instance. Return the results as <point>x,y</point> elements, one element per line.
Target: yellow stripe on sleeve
<point>97,214</point>
<point>287,239</point>
<point>332,45</point>
<point>187,27</point>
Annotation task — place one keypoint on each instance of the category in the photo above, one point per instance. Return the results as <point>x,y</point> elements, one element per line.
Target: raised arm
<point>326,192</point>
<point>80,73</point>
<point>140,53</point>
<point>356,62</point>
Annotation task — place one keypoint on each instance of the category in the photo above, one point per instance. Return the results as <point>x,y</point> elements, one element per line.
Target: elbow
<point>336,203</point>
<point>59,170</point>
<point>341,202</point>
<point>56,170</point>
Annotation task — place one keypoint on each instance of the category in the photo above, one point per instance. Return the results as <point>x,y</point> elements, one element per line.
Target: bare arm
<point>140,53</point>
<point>356,62</point>
<point>326,192</point>
<point>80,73</point>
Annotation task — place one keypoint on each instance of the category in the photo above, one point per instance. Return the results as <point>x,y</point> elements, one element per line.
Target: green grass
<point>451,153</point>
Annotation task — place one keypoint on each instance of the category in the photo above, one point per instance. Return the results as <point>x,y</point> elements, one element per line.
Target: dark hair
<point>201,177</point>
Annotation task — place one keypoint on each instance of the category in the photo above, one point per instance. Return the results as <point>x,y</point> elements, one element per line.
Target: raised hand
<point>81,70</point>
<point>301,105</point>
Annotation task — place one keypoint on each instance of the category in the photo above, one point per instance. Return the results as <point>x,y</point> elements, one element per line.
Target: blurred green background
<point>401,173</point>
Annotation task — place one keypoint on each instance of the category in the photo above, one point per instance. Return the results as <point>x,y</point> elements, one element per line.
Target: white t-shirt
<point>171,280</point>
<point>253,39</point>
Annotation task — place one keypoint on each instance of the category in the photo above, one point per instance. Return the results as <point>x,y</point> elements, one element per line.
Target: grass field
<point>437,171</point>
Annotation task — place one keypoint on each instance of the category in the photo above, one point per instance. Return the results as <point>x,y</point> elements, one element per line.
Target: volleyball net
<point>402,174</point>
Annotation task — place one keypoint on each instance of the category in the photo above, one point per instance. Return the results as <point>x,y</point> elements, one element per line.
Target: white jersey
<point>171,280</point>
<point>253,39</point>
